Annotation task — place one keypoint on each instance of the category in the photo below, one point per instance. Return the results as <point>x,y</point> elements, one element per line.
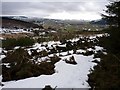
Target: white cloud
<point>55,0</point>
<point>78,16</point>
<point>87,10</point>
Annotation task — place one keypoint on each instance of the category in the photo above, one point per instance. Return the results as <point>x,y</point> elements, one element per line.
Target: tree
<point>113,14</point>
<point>113,19</point>
<point>107,73</point>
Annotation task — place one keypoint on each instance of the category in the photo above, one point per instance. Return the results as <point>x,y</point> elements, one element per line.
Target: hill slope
<point>12,23</point>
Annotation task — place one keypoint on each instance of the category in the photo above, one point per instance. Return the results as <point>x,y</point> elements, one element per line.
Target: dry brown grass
<point>15,35</point>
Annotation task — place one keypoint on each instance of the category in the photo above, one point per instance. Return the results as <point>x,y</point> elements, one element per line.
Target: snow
<point>46,58</point>
<point>54,43</point>
<point>105,53</point>
<point>1,38</point>
<point>17,47</point>
<point>80,51</point>
<point>73,40</point>
<point>98,59</point>
<point>6,64</point>
<point>53,31</point>
<point>98,35</point>
<point>66,76</point>
<point>1,55</point>
<point>63,53</point>
<point>0,78</point>
<point>97,48</point>
<point>0,81</point>
<point>42,33</point>
<point>37,46</point>
<point>9,31</point>
<point>64,45</point>
<point>90,49</point>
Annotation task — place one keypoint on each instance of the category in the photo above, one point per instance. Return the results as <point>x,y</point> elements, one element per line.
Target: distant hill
<point>8,22</point>
<point>99,22</point>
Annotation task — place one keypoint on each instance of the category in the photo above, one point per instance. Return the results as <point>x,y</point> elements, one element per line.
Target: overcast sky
<point>82,9</point>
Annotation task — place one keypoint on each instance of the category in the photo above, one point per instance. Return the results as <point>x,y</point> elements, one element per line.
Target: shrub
<point>10,43</point>
<point>54,59</point>
<point>44,53</point>
<point>21,65</point>
<point>87,53</point>
<point>47,68</point>
<point>23,73</point>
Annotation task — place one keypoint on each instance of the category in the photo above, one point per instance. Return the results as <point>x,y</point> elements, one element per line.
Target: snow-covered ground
<point>66,75</point>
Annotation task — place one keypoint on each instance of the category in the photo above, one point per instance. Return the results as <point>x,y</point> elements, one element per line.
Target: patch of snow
<point>43,59</point>
<point>17,47</point>
<point>105,53</point>
<point>29,52</point>
<point>0,78</point>
<point>2,56</point>
<point>51,43</point>
<point>0,81</point>
<point>90,49</point>
<point>83,41</point>
<point>81,51</point>
<point>73,40</point>
<point>53,31</point>
<point>66,76</point>
<point>9,31</point>
<point>1,38</point>
<point>64,45</point>
<point>97,48</point>
<point>98,59</point>
<point>6,64</point>
<point>64,53</point>
<point>42,33</point>
<point>37,46</point>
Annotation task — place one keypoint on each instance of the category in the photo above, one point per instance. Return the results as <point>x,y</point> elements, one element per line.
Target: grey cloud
<point>54,0</point>
<point>12,7</point>
<point>46,8</point>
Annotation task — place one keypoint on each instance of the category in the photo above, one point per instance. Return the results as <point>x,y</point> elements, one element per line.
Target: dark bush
<point>87,53</point>
<point>54,59</point>
<point>21,66</point>
<point>10,43</point>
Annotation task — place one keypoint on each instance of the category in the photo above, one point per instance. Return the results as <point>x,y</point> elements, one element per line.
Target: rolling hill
<point>14,23</point>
